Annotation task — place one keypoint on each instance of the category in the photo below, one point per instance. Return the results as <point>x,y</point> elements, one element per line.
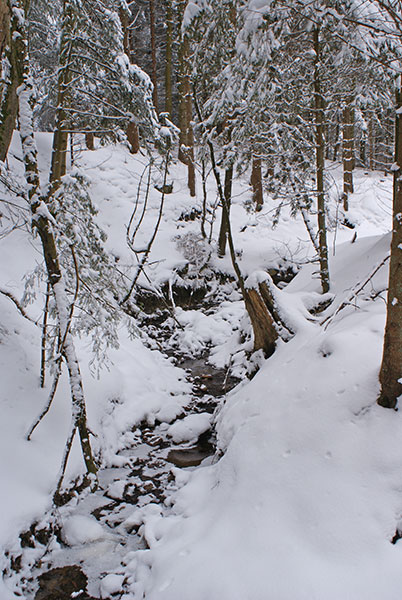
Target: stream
<point>60,568</point>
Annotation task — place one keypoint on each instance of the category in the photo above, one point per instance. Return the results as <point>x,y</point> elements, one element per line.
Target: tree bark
<point>320,165</point>
<point>169,58</point>
<point>153,53</point>
<point>8,90</point>
<point>256,183</point>
<point>348,150</point>
<point>391,367</point>
<point>371,136</point>
<point>186,136</point>
<point>132,133</point>
<point>225,223</point>
<point>42,223</point>
<point>90,140</point>
<point>133,137</point>
<point>60,136</point>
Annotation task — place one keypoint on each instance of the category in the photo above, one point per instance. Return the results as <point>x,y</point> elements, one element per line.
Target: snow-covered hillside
<point>306,496</point>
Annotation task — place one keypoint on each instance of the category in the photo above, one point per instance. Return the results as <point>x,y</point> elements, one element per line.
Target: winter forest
<point>201,299</point>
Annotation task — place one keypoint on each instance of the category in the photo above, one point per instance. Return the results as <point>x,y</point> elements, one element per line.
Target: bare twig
<point>355,292</point>
<point>144,259</point>
<point>44,338</point>
<point>60,353</point>
<point>18,305</point>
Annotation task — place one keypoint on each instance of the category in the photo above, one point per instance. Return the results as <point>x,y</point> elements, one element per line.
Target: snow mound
<point>190,427</point>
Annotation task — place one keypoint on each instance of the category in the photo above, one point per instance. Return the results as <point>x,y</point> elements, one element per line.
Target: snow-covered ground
<point>307,496</point>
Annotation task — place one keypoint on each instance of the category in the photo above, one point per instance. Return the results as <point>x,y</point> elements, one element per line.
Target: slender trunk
<point>60,136</point>
<point>225,221</point>
<point>43,226</point>
<point>186,136</point>
<point>124,20</point>
<point>8,88</point>
<point>44,339</point>
<point>336,141</point>
<point>182,104</point>
<point>256,183</point>
<point>133,137</point>
<point>204,197</point>
<point>391,368</point>
<point>190,133</point>
<point>168,58</point>
<point>348,150</point>
<point>320,165</point>
<point>371,135</point>
<point>132,133</point>
<point>265,334</point>
<point>153,52</point>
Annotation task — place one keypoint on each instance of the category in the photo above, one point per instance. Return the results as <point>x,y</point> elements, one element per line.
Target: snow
<point>190,427</point>
<point>307,493</point>
<point>79,529</point>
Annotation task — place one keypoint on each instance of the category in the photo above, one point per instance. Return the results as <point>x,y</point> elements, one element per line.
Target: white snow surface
<point>307,496</point>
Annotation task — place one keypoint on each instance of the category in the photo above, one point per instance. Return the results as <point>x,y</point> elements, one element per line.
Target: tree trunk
<point>43,225</point>
<point>256,184</point>
<point>371,136</point>
<point>225,223</point>
<point>265,334</point>
<point>336,142</point>
<point>153,53</point>
<point>391,367</point>
<point>168,58</point>
<point>348,150</point>
<point>189,128</point>
<point>90,140</point>
<point>133,137</point>
<point>132,133</point>
<point>60,136</point>
<point>186,136</point>
<point>320,165</point>
<point>8,90</point>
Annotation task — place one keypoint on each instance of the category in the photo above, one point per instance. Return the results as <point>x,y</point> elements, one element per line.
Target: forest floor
<point>212,485</point>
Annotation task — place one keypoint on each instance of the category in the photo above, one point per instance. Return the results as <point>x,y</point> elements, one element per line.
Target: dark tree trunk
<point>169,58</point>
<point>225,223</point>
<point>256,184</point>
<point>60,136</point>
<point>348,150</point>
<point>320,164</point>
<point>90,140</point>
<point>186,136</point>
<point>132,133</point>
<point>133,137</point>
<point>8,90</point>
<point>153,52</point>
<point>391,367</point>
<point>371,140</point>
